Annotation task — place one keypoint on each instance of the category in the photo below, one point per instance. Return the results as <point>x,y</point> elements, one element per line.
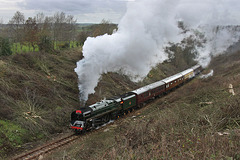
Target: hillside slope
<point>38,92</point>
<point>200,120</point>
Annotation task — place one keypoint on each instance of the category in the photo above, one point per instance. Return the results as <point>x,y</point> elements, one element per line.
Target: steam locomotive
<point>90,117</point>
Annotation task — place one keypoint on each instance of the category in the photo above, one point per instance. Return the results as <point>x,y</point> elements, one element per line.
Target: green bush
<point>45,44</point>
<point>11,134</point>
<point>63,45</point>
<point>5,47</point>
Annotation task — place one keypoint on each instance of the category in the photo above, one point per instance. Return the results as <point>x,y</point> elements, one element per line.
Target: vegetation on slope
<point>37,93</point>
<point>200,120</point>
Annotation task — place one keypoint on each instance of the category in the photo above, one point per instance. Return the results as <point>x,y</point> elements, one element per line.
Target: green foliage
<point>45,44</point>
<point>73,44</point>
<point>32,88</point>
<point>63,45</point>
<point>13,133</point>
<point>24,48</point>
<point>5,47</point>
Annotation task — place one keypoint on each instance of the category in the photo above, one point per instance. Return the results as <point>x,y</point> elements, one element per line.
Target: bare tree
<point>40,18</point>
<point>60,28</point>
<point>81,38</point>
<point>1,22</point>
<point>48,26</point>
<point>1,27</point>
<point>59,20</point>
<point>64,28</point>
<point>31,31</point>
<point>70,28</point>
<point>104,27</point>
<point>16,27</point>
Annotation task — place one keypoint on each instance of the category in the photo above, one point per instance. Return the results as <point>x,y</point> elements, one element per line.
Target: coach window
<point>146,94</point>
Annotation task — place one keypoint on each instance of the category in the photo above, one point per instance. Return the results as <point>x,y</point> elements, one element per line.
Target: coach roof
<point>172,78</point>
<point>186,71</point>
<point>148,87</point>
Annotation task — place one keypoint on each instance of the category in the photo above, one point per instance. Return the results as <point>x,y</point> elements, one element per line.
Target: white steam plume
<point>145,30</point>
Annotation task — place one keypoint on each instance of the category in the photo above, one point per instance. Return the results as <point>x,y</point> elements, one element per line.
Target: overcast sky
<point>86,11</point>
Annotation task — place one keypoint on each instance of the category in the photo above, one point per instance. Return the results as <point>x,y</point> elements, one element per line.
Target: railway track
<point>42,150</point>
<point>54,145</point>
<point>37,152</point>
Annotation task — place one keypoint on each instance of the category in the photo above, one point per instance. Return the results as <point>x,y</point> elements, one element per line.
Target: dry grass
<point>38,91</point>
<point>197,121</point>
<point>200,120</point>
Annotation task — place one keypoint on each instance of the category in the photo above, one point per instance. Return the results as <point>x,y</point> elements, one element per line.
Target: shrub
<point>64,45</point>
<point>45,44</point>
<point>11,136</point>
<point>5,48</point>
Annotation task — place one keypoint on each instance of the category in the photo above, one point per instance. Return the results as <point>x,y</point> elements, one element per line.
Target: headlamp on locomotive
<point>78,119</point>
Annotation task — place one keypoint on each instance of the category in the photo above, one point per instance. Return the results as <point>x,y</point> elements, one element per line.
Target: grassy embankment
<point>200,120</point>
<point>38,91</point>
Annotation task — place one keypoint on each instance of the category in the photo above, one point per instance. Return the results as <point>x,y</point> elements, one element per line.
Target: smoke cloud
<point>144,32</point>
